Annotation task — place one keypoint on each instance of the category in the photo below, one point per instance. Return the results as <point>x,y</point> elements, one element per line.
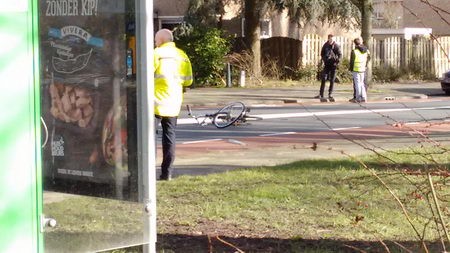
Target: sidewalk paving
<point>305,94</point>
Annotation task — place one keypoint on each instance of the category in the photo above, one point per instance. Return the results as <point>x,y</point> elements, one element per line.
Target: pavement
<point>225,155</point>
<point>306,94</point>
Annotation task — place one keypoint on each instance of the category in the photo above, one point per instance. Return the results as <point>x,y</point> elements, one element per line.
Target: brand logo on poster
<point>66,62</point>
<point>62,8</point>
<point>75,31</point>
<point>70,66</point>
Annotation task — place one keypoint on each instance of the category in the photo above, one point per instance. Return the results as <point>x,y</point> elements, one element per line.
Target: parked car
<point>445,82</point>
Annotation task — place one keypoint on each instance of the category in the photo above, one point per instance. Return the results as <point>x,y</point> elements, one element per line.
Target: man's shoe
<point>165,177</point>
<point>318,96</point>
<point>331,99</point>
<point>322,99</point>
<point>352,100</point>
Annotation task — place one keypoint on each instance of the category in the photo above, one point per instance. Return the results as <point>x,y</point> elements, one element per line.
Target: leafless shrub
<point>243,62</point>
<point>428,183</point>
<point>271,69</point>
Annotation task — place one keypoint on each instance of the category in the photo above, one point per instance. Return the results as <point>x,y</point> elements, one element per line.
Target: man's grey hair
<point>164,35</point>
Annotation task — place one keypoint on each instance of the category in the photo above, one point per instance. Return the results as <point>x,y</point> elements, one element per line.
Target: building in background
<point>411,18</point>
<point>390,18</point>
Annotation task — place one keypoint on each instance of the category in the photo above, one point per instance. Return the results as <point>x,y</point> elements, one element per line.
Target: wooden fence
<point>419,53</point>
<point>441,55</point>
<point>286,52</point>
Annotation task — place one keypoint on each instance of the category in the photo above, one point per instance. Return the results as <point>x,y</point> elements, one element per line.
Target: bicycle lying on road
<point>234,113</point>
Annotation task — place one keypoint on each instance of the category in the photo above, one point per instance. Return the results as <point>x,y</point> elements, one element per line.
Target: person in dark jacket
<point>331,56</point>
<point>359,58</point>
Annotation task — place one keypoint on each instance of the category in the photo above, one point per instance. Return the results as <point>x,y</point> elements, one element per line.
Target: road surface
<point>290,132</point>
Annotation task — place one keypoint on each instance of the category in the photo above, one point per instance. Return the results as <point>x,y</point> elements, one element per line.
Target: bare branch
<point>229,244</point>
<point>438,209</point>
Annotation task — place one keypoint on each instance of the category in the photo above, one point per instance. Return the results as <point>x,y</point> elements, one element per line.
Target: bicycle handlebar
<point>189,110</point>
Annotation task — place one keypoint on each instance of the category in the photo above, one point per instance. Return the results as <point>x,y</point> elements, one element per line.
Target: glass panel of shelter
<point>88,91</point>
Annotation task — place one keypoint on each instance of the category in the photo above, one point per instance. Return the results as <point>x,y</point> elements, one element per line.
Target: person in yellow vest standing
<point>359,58</point>
<point>173,72</point>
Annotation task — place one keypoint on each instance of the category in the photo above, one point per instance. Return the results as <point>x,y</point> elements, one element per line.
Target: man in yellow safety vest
<point>358,64</point>
<point>173,72</point>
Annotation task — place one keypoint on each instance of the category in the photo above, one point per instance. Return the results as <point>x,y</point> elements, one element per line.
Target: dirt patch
<point>205,243</point>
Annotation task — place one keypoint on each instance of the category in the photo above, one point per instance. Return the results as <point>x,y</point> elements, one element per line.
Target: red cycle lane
<point>284,148</point>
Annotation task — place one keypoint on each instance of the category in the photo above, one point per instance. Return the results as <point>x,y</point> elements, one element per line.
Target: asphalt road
<point>287,119</point>
<point>289,132</point>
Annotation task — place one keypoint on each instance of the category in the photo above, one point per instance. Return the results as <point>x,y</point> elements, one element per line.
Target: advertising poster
<point>84,91</point>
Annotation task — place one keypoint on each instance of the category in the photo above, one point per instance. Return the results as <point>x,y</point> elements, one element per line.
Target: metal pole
<point>229,83</point>
<point>146,126</point>
<point>242,79</point>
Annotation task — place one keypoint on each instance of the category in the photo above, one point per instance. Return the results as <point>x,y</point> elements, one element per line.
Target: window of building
<point>378,15</point>
<point>169,22</point>
<point>265,28</point>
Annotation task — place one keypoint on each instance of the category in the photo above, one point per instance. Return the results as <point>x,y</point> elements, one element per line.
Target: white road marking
<point>201,141</point>
<point>186,121</point>
<point>275,134</point>
<point>346,112</point>
<point>237,142</point>
<point>267,105</point>
<point>325,113</point>
<point>344,128</point>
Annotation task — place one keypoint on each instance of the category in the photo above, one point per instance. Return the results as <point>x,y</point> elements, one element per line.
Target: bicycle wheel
<point>229,114</point>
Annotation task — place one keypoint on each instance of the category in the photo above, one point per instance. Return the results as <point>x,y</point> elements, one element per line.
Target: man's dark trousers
<point>168,125</point>
<point>328,73</point>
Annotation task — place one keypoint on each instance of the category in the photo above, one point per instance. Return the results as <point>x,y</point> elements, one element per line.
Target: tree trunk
<point>252,16</point>
<point>366,32</point>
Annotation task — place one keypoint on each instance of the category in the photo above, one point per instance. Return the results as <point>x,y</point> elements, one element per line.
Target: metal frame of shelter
<point>22,222</point>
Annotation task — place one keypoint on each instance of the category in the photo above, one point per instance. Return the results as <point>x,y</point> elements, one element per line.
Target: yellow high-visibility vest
<point>173,71</point>
<point>360,61</point>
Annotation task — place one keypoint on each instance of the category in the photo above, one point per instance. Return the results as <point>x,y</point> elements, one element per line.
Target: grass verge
<point>318,201</point>
<point>312,199</point>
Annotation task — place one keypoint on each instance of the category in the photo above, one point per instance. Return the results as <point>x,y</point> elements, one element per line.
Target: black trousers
<point>168,125</point>
<point>328,73</point>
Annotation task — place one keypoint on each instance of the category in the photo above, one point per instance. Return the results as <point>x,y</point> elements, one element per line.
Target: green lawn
<point>311,200</point>
<point>308,199</point>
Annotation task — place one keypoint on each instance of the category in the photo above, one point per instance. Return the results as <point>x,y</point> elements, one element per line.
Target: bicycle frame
<point>204,118</point>
<point>232,114</point>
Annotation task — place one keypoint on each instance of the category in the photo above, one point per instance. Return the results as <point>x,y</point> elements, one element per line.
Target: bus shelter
<point>77,143</point>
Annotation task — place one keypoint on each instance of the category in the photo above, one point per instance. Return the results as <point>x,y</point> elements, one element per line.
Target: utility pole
<point>366,32</point>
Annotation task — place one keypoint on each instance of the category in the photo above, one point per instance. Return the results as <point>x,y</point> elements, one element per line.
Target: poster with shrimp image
<point>82,70</point>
